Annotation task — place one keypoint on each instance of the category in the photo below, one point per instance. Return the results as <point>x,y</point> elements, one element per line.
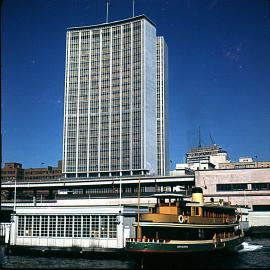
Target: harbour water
<point>255,253</point>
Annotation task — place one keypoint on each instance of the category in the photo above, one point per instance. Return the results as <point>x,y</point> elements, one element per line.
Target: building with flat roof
<point>202,158</point>
<point>245,162</point>
<point>82,188</point>
<point>205,155</point>
<point>43,173</point>
<point>80,228</point>
<point>245,187</point>
<point>13,170</point>
<point>110,111</point>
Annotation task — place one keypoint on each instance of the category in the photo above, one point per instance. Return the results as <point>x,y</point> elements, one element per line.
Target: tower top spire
<point>107,12</point>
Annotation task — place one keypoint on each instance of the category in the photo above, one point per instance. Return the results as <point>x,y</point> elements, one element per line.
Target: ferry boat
<point>175,225</point>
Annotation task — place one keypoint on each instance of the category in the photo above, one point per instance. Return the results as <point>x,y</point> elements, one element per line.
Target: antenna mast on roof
<point>107,14</point>
<point>200,145</point>
<point>212,140</point>
<point>133,7</point>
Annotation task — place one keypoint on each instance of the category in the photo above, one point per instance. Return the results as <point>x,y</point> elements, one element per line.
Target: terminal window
<point>231,187</point>
<point>78,226</point>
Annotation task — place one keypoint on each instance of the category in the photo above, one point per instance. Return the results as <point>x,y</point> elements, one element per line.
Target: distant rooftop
<point>112,23</point>
<point>213,147</point>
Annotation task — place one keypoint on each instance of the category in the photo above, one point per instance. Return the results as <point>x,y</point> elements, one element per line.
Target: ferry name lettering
<point>182,246</point>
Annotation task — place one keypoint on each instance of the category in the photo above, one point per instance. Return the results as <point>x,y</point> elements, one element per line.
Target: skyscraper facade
<point>162,107</point>
<point>110,112</point>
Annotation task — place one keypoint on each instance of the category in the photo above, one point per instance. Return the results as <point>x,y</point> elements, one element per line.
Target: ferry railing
<point>147,240</point>
<point>217,238</point>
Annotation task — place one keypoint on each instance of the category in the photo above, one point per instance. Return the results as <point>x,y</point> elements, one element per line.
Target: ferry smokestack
<point>197,195</point>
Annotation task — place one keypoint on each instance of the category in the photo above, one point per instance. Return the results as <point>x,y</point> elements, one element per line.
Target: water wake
<point>249,247</point>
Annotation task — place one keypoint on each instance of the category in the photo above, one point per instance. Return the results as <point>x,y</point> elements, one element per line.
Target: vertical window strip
<point>44,226</point>
<point>36,226</point>
<point>103,226</point>
<point>69,223</point>
<point>21,225</point>
<point>28,226</point>
<point>52,226</point>
<point>61,226</point>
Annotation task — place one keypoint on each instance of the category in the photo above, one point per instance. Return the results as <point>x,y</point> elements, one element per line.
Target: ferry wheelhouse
<point>175,225</point>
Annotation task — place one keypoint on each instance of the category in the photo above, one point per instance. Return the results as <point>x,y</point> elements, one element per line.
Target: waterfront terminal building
<point>81,228</point>
<point>246,187</point>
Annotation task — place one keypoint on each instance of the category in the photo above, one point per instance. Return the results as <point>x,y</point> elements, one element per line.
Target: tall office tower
<point>110,99</point>
<point>162,107</point>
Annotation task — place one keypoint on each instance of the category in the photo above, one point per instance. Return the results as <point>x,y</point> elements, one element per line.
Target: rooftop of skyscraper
<point>113,23</point>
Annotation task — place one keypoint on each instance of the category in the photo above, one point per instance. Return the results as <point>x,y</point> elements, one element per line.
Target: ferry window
<point>28,226</point>
<point>142,189</point>
<point>52,226</point>
<point>36,225</point>
<point>61,226</point>
<point>103,226</point>
<point>95,227</point>
<point>77,226</point>
<point>69,223</point>
<point>20,225</point>
<point>112,227</point>
<point>44,226</point>
<point>77,191</point>
<point>86,226</point>
<point>128,190</point>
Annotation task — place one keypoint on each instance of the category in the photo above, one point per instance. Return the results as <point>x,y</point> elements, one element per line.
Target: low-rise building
<point>14,170</point>
<point>182,169</point>
<point>43,173</point>
<point>245,187</point>
<point>81,228</point>
<point>245,162</point>
<point>34,191</point>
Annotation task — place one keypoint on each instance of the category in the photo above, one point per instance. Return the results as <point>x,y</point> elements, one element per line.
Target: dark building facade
<point>13,170</point>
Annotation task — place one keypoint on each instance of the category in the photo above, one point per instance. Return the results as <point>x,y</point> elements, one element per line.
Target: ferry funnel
<point>197,195</point>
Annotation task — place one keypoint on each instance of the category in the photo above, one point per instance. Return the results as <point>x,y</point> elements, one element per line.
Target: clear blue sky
<point>219,72</point>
